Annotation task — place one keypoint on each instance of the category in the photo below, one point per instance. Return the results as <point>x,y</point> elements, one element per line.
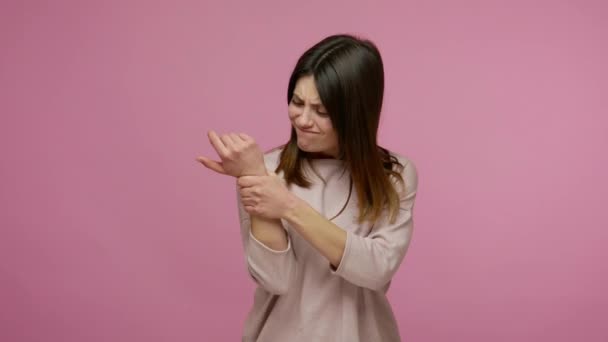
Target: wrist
<point>262,171</point>
<point>292,205</point>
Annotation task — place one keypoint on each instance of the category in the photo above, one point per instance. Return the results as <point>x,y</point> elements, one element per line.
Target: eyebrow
<point>318,104</point>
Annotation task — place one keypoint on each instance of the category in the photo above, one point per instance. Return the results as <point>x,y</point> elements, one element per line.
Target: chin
<point>308,149</point>
<point>304,149</point>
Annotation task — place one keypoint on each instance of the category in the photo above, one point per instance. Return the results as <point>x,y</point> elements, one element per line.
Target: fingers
<point>249,201</point>
<point>246,193</point>
<point>238,141</point>
<point>227,140</point>
<point>218,144</point>
<point>211,164</point>
<point>245,137</point>
<point>226,143</point>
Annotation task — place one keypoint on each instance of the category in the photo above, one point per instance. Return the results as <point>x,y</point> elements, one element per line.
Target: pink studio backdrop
<point>110,231</point>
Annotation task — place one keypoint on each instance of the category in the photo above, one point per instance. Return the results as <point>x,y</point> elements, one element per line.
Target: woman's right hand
<point>240,155</point>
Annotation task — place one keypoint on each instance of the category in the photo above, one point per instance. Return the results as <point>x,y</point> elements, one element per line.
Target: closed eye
<point>300,103</point>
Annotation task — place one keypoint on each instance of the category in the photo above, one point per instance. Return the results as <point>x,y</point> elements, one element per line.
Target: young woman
<point>326,219</point>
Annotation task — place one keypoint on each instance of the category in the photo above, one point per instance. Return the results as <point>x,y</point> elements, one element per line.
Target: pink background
<point>111,231</point>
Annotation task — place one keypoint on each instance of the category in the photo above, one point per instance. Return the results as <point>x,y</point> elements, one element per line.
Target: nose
<point>303,119</point>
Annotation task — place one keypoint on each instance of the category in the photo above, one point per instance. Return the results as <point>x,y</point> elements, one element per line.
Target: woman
<point>326,219</point>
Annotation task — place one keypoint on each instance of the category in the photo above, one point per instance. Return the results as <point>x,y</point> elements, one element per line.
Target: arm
<point>269,232</point>
<point>268,254</point>
<point>325,236</point>
<point>367,261</point>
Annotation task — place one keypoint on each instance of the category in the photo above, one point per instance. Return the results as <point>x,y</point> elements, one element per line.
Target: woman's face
<point>311,121</point>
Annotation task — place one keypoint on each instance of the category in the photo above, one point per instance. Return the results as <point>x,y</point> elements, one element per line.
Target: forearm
<point>270,232</point>
<point>269,258</point>
<point>270,265</point>
<point>325,236</point>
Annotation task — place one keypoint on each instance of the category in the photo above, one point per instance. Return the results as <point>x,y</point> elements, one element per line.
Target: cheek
<point>292,112</point>
<point>326,126</point>
<point>330,133</point>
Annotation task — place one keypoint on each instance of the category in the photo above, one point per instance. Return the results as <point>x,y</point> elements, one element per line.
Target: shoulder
<point>409,171</point>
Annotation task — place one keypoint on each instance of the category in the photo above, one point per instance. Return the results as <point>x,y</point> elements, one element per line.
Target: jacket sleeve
<point>371,261</point>
<point>269,268</point>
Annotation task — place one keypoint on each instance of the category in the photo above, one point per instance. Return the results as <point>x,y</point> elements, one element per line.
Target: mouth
<point>304,131</point>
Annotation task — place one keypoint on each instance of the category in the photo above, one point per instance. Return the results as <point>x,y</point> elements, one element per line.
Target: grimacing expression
<point>311,121</point>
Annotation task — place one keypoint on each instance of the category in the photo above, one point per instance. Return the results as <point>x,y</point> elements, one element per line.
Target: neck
<point>320,155</point>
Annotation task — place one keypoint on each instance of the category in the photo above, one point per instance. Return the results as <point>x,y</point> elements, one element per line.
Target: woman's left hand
<point>265,196</point>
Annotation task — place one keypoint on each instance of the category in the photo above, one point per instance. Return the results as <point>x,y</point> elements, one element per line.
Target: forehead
<point>306,88</point>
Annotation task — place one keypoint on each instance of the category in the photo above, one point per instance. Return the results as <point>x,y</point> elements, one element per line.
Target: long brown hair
<point>349,76</point>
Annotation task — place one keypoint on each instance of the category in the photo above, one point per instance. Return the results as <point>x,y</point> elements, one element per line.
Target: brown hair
<point>349,77</point>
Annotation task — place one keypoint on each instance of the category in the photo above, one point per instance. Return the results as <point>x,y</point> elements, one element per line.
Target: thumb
<point>212,165</point>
